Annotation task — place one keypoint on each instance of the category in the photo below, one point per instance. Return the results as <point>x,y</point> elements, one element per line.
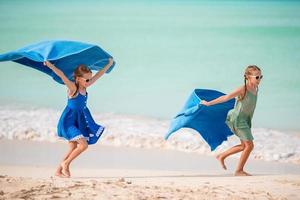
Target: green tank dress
<point>239,118</point>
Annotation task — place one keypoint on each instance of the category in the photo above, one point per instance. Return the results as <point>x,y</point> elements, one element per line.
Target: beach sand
<point>105,172</point>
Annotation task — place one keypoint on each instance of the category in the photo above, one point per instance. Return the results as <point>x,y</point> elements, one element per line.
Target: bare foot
<point>65,170</point>
<point>59,173</point>
<point>221,160</point>
<point>242,173</point>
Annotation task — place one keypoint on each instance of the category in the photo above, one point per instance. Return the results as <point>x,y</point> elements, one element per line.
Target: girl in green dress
<point>239,118</point>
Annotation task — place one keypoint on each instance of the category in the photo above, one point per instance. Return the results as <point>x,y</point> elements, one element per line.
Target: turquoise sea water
<point>163,50</point>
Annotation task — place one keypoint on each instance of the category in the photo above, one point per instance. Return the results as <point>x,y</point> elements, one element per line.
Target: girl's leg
<point>233,150</point>
<point>72,146</point>
<point>81,147</point>
<point>243,159</point>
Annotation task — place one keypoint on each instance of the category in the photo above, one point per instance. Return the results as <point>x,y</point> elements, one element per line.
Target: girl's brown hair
<point>248,71</point>
<point>79,72</point>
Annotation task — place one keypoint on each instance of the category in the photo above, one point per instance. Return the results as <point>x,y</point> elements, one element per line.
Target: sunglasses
<point>86,80</point>
<point>257,77</point>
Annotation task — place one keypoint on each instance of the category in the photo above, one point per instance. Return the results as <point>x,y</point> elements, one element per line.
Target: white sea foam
<point>143,132</point>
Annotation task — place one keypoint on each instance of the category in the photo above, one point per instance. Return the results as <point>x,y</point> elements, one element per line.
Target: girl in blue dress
<point>76,123</point>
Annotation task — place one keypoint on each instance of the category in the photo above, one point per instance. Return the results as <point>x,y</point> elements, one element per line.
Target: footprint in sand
<point>107,182</point>
<point>76,185</point>
<point>121,180</point>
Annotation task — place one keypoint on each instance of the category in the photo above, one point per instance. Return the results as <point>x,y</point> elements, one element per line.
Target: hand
<point>110,61</point>
<point>203,102</point>
<point>48,64</point>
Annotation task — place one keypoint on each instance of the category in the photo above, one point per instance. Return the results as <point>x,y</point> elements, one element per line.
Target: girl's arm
<point>101,72</point>
<point>71,85</point>
<point>224,98</point>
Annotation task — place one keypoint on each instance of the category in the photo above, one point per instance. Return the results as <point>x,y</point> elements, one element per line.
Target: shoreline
<point>146,133</point>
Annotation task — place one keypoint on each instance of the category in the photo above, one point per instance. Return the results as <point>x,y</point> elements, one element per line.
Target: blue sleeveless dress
<point>77,122</point>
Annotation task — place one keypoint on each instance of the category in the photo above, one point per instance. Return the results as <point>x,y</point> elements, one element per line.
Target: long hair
<point>248,71</point>
<point>79,72</point>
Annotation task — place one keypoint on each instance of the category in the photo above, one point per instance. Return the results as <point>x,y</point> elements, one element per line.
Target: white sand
<point>105,172</point>
<point>136,184</point>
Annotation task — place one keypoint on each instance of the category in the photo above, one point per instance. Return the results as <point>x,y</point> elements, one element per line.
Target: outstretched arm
<point>224,98</point>
<point>101,72</point>
<point>71,86</point>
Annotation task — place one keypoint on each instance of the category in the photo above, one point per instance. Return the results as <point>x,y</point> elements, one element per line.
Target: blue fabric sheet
<point>65,55</point>
<point>209,121</point>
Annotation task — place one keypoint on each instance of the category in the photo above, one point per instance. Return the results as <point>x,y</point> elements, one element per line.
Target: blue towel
<point>65,55</point>
<point>209,121</point>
